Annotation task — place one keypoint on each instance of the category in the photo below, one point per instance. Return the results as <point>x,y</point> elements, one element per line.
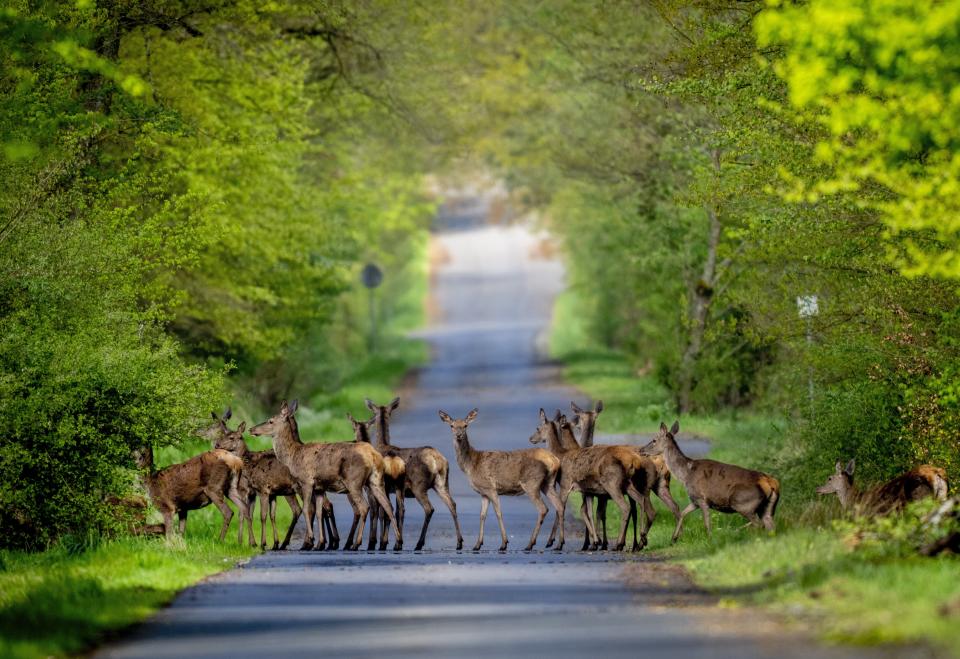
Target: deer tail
<point>771,490</point>
<point>940,484</point>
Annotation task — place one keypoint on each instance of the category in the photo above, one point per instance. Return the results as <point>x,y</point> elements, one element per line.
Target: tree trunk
<point>701,298</point>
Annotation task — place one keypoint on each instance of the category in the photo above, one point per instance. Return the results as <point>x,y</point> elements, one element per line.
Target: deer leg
<point>495,500</point>
<point>168,522</point>
<point>441,488</point>
<point>226,512</point>
<point>553,531</point>
<point>617,496</point>
<point>272,503</point>
<point>360,510</point>
<point>295,513</point>
<point>330,519</point>
<point>632,519</point>
<point>320,505</point>
<point>381,496</point>
<point>534,494</point>
<point>651,514</point>
<point>591,529</point>
<point>484,503</point>
<point>683,513</point>
<point>588,501</point>
<point>308,513</point>
<point>424,501</point>
<point>600,522</point>
<point>644,500</point>
<point>401,511</point>
<point>374,519</point>
<point>663,492</point>
<point>706,516</point>
<point>264,511</point>
<point>559,506</point>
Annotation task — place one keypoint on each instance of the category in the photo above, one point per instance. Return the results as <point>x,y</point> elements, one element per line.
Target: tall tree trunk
<point>701,298</point>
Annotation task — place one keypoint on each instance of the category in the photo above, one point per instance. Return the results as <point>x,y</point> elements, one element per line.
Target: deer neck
<point>383,431</point>
<point>678,463</point>
<point>849,497</point>
<point>465,453</point>
<point>567,440</point>
<point>286,441</point>
<point>586,437</point>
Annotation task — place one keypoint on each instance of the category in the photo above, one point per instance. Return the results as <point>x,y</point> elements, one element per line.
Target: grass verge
<point>813,569</point>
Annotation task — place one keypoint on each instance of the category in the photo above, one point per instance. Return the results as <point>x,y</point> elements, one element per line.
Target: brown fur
<point>711,484</point>
<point>321,467</point>
<point>655,473</point>
<point>426,469</point>
<point>210,477</point>
<point>607,470</point>
<point>918,483</point>
<point>394,482</point>
<point>491,473</point>
<point>265,476</point>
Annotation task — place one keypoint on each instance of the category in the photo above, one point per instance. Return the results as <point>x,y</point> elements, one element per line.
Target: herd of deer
<point>370,471</point>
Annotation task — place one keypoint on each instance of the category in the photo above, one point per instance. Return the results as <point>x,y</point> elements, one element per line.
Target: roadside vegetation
<point>846,581</point>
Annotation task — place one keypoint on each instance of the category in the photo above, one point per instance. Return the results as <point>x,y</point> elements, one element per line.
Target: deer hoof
<point>503,547</point>
<point>306,546</point>
<point>334,545</point>
<point>397,547</point>
<point>275,546</point>
<point>549,544</point>
<point>604,546</point>
<point>382,547</point>
<point>320,546</point>
<point>418,547</point>
<point>459,544</point>
<point>477,546</point>
<point>586,546</point>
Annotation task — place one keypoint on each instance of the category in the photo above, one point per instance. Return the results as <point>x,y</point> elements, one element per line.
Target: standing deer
<point>608,470</point>
<point>322,467</point>
<point>394,482</point>
<point>711,484</point>
<point>659,477</point>
<point>491,473</point>
<point>918,483</point>
<point>210,477</point>
<point>266,478</point>
<point>426,469</point>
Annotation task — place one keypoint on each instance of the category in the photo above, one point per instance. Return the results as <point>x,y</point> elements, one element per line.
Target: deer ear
<point>444,416</point>
<point>283,407</point>
<point>850,467</point>
<point>839,467</point>
<point>599,407</point>
<point>370,405</point>
<point>293,406</point>
<point>471,415</point>
<point>663,427</point>
<point>242,427</point>
<point>576,408</point>
<point>395,403</point>
<point>676,428</point>
<point>350,417</point>
<point>214,415</point>
<point>227,413</point>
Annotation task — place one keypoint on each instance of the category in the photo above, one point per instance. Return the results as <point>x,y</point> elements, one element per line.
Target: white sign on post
<point>808,306</point>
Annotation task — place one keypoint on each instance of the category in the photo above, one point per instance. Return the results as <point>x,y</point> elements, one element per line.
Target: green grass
<point>61,602</point>
<point>808,570</point>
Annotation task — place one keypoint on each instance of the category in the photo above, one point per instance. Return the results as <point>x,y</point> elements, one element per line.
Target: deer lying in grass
<point>711,484</point>
<point>491,473</point>
<point>607,470</point>
<point>211,477</point>
<point>426,469</point>
<point>266,477</point>
<point>394,482</point>
<point>918,483</point>
<point>334,467</point>
<point>656,474</point>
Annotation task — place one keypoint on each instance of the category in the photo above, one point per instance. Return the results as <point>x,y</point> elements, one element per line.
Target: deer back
<point>719,483</point>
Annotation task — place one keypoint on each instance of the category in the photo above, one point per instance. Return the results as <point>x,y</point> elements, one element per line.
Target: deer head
<point>581,416</point>
<point>459,426</point>
<point>544,429</point>
<point>382,411</point>
<point>219,427</point>
<point>663,437</point>
<point>275,424</point>
<point>232,440</point>
<point>361,429</point>
<point>840,481</point>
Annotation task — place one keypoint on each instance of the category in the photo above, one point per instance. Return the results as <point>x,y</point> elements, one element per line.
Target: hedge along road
<point>493,289</point>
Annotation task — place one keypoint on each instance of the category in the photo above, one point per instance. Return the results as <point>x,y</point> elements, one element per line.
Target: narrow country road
<point>492,295</point>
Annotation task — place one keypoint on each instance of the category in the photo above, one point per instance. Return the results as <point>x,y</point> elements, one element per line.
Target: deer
<point>426,469</point>
<point>321,467</point>
<point>211,477</point>
<point>266,478</point>
<point>711,484</point>
<point>918,483</point>
<point>608,470</point>
<point>491,473</point>
<point>394,482</point>
<point>659,478</point>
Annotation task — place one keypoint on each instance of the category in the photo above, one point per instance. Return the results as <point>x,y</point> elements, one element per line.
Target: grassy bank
<point>813,570</point>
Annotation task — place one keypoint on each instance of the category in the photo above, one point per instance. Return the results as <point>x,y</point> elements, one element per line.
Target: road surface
<point>492,294</point>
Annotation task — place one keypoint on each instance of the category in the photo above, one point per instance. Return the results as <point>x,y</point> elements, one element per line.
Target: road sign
<point>372,275</point>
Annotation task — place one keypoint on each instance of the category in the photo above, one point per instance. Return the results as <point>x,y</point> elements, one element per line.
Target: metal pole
<point>372,335</point>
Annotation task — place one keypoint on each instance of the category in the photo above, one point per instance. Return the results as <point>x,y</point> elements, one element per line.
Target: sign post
<point>372,277</point>
<point>808,306</point>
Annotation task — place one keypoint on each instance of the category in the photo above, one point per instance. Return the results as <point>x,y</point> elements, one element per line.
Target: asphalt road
<point>493,293</point>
